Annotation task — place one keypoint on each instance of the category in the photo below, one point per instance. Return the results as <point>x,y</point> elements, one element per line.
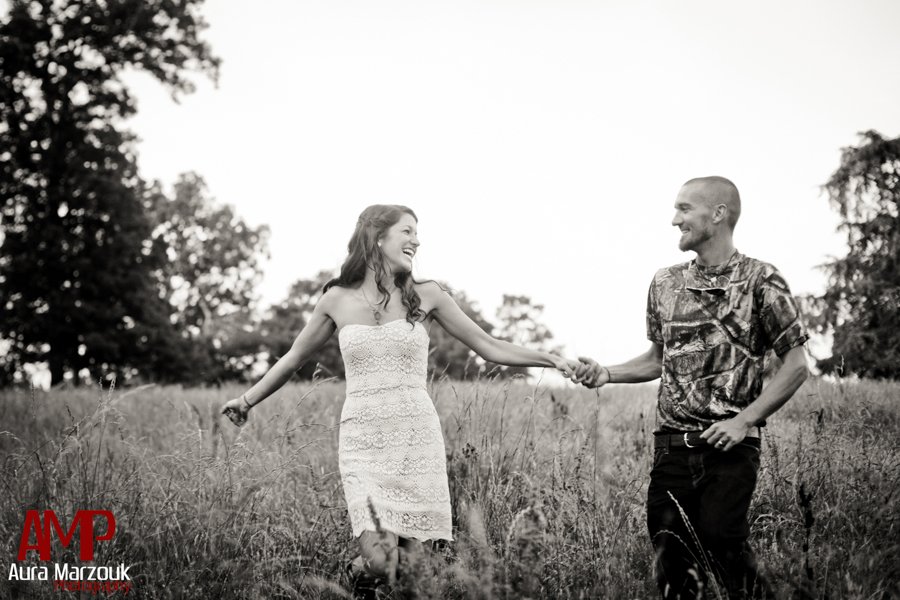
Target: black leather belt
<point>690,439</point>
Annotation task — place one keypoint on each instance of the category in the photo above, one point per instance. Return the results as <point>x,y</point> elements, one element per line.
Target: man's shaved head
<point>715,190</point>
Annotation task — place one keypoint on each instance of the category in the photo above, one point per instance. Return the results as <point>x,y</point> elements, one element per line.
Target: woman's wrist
<point>246,402</point>
<point>608,375</point>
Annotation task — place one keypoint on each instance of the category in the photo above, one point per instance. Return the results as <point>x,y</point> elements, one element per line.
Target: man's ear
<point>720,213</point>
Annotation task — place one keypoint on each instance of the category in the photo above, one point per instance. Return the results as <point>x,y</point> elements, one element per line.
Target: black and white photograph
<point>496,299</point>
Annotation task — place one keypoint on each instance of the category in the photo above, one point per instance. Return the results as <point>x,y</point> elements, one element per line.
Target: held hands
<point>725,435</point>
<point>590,374</point>
<point>237,410</point>
<point>565,366</point>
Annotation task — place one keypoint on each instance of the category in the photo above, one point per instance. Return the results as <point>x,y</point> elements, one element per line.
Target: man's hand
<point>725,435</point>
<point>590,374</point>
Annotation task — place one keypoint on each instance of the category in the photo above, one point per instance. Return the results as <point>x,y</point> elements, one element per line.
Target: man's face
<point>693,216</point>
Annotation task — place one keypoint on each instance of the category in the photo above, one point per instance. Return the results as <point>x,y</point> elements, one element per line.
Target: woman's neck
<point>370,286</point>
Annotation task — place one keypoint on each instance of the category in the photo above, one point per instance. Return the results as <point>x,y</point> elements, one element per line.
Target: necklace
<point>376,311</point>
<point>716,283</point>
<point>719,267</point>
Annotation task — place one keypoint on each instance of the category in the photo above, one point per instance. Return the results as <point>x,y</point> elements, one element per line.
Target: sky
<point>541,144</point>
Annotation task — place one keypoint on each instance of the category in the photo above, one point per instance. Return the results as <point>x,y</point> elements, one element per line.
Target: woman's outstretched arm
<point>312,337</point>
<point>458,324</point>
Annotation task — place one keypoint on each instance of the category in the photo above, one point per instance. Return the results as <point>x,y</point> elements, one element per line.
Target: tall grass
<point>547,489</point>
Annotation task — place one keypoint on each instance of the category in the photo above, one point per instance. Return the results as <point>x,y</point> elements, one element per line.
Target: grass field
<point>547,487</point>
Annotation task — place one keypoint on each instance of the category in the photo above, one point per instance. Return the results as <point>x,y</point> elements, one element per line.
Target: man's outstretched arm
<point>645,367</point>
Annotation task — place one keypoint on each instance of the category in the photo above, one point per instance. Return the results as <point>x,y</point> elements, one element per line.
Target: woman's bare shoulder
<point>333,298</point>
<point>432,294</point>
<point>429,289</point>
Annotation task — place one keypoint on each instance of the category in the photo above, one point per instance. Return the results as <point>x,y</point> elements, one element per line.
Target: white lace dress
<point>391,449</point>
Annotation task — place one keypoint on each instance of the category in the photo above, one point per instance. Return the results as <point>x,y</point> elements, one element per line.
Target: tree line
<point>102,272</point>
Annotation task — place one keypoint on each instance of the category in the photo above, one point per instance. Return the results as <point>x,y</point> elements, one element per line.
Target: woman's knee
<point>380,566</point>
<point>379,553</point>
<point>411,546</point>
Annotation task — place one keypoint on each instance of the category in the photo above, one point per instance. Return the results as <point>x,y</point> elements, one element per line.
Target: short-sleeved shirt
<point>715,325</point>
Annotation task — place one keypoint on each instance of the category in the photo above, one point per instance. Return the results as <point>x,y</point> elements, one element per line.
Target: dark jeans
<point>710,490</point>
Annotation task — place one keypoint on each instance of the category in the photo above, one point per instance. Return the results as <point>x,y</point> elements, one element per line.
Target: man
<point>710,322</point>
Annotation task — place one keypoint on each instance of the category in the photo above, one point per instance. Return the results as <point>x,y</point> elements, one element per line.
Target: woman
<point>391,449</point>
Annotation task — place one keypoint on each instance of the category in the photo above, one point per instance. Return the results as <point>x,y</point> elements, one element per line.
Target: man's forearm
<point>790,376</point>
<point>645,367</point>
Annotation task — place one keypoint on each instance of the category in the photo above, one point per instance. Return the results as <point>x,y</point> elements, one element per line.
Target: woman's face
<point>399,244</point>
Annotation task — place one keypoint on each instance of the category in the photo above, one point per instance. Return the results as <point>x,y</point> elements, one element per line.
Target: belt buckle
<point>686,442</point>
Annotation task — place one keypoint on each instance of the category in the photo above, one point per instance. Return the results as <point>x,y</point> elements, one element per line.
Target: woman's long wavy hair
<point>364,253</point>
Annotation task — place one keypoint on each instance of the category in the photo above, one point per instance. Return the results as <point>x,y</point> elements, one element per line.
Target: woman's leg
<point>379,554</point>
<point>386,556</point>
<point>411,553</point>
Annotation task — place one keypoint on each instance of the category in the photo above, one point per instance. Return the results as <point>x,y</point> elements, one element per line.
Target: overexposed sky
<point>541,143</point>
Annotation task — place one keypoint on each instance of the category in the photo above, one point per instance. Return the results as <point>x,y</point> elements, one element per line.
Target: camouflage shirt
<point>715,325</point>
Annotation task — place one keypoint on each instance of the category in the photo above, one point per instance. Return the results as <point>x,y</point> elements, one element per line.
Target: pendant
<point>377,315</point>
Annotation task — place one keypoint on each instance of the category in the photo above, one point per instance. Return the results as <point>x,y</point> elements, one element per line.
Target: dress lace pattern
<point>391,449</point>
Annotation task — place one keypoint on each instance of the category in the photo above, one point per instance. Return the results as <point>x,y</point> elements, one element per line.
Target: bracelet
<point>608,375</point>
<point>244,400</point>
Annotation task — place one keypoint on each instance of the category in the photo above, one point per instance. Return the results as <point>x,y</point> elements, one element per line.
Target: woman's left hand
<point>237,411</point>
<point>565,366</point>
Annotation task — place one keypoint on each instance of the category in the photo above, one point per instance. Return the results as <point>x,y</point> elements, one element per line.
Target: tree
<point>233,348</point>
<point>288,317</point>
<point>861,305</point>
<point>212,256</point>
<point>76,283</point>
<point>520,324</point>
<point>209,277</point>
